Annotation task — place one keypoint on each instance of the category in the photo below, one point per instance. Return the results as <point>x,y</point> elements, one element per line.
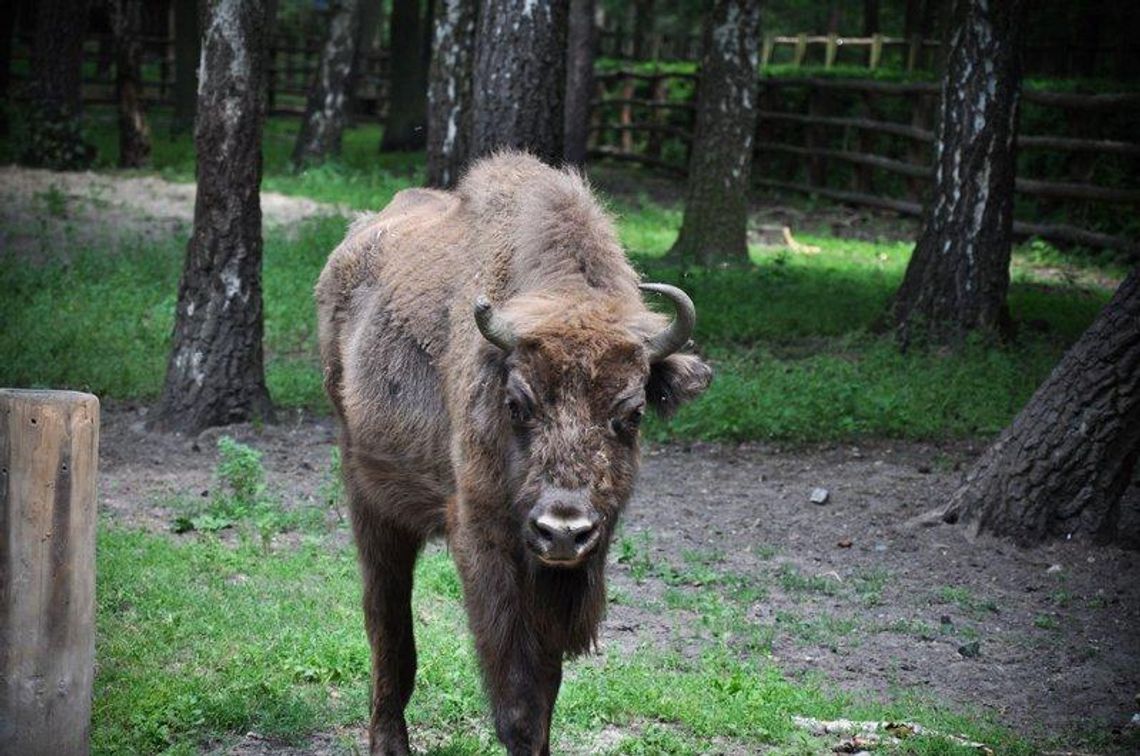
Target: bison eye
<point>629,422</point>
<point>518,411</point>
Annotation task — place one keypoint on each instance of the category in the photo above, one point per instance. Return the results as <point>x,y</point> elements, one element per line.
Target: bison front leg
<point>387,558</point>
<point>521,676</point>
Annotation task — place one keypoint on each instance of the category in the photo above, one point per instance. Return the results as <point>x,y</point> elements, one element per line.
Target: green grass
<point>793,338</point>
<point>200,641</point>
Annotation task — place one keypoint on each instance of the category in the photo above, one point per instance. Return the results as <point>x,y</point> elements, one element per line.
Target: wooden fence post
<point>913,51</point>
<point>876,51</point>
<point>766,49</point>
<point>48,454</point>
<point>801,50</point>
<point>831,50</point>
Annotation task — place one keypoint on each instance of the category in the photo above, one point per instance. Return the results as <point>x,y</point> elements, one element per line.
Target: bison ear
<point>677,379</point>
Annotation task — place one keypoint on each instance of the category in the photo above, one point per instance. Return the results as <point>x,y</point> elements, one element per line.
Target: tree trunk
<point>449,95</point>
<point>367,22</point>
<point>326,113</point>
<point>715,226</point>
<point>407,80</point>
<point>520,78</point>
<point>57,105</point>
<point>215,374</point>
<point>641,29</point>
<point>8,10</point>
<point>134,132</point>
<point>870,22</point>
<point>187,50</point>
<point>1067,464</point>
<point>579,80</point>
<point>959,272</point>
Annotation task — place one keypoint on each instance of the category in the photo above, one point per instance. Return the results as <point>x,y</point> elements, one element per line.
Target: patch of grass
<point>794,581</point>
<point>793,339</point>
<point>199,642</point>
<point>965,599</point>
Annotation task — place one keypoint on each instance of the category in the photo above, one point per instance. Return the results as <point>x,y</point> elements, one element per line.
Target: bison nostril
<point>543,531</point>
<point>583,537</point>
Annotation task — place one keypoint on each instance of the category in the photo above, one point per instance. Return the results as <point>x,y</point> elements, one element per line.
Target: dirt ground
<point>1045,641</point>
<point>1056,627</point>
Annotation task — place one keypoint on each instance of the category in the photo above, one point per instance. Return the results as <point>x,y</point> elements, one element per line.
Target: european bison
<point>489,358</point>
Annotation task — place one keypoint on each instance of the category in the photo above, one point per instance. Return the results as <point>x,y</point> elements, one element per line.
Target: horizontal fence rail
<point>885,133</point>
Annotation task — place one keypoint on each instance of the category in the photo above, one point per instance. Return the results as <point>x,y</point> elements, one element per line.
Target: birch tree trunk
<point>134,131</point>
<point>326,113</point>
<point>715,225</point>
<point>520,78</point>
<point>449,93</point>
<point>215,375</point>
<point>579,79</point>
<point>1068,462</point>
<point>958,275</point>
<point>57,105</point>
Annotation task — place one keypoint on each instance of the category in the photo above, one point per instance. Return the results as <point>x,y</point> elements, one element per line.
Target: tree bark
<point>1068,463</point>
<point>134,131</point>
<point>55,121</point>
<point>326,113</point>
<point>215,374</point>
<point>579,80</point>
<point>187,50</point>
<point>8,10</point>
<point>520,78</point>
<point>404,128</point>
<point>367,22</point>
<point>715,225</point>
<point>958,275</point>
<point>449,95</point>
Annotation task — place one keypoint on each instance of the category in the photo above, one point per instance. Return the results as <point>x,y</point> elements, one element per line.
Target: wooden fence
<point>871,143</point>
<point>292,65</point>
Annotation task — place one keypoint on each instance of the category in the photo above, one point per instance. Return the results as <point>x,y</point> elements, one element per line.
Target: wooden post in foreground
<point>49,443</point>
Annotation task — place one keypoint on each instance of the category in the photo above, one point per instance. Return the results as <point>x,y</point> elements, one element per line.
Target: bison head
<point>576,373</point>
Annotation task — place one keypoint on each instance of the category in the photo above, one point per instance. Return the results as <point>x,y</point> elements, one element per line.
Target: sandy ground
<point>1057,628</point>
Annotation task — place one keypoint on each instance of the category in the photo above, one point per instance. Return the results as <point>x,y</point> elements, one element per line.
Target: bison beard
<point>489,357</point>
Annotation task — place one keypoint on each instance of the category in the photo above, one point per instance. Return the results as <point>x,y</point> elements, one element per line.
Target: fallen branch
<point>869,733</point>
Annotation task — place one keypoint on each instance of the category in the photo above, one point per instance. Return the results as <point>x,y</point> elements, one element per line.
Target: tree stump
<point>49,443</point>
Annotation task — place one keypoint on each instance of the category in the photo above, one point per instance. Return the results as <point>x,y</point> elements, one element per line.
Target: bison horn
<point>677,334</point>
<point>494,328</point>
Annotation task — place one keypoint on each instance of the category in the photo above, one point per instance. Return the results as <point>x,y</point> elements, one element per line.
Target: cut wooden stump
<point>48,454</point>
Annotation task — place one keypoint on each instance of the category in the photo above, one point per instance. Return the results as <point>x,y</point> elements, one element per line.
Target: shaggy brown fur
<point>444,433</point>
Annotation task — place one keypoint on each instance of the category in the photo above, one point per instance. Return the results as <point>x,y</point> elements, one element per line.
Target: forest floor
<point>1042,641</point>
<point>846,593</point>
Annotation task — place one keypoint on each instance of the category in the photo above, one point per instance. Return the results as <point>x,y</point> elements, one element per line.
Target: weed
<point>794,581</point>
<point>54,200</point>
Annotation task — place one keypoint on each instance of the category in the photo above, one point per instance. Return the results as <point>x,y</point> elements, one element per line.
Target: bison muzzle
<point>489,358</point>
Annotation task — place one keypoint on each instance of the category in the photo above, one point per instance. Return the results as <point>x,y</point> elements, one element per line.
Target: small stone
<point>844,543</point>
<point>880,547</point>
<point>970,650</point>
<point>925,469</point>
<point>820,495</point>
<point>1053,568</point>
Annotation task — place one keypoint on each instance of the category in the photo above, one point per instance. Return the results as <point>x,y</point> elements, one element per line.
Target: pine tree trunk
<point>1068,463</point>
<point>57,105</point>
<point>134,132</point>
<point>520,78</point>
<point>449,94</point>
<point>715,225</point>
<point>187,50</point>
<point>579,80</point>
<point>958,275</point>
<point>215,375</point>
<point>326,113</point>
<point>404,129</point>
